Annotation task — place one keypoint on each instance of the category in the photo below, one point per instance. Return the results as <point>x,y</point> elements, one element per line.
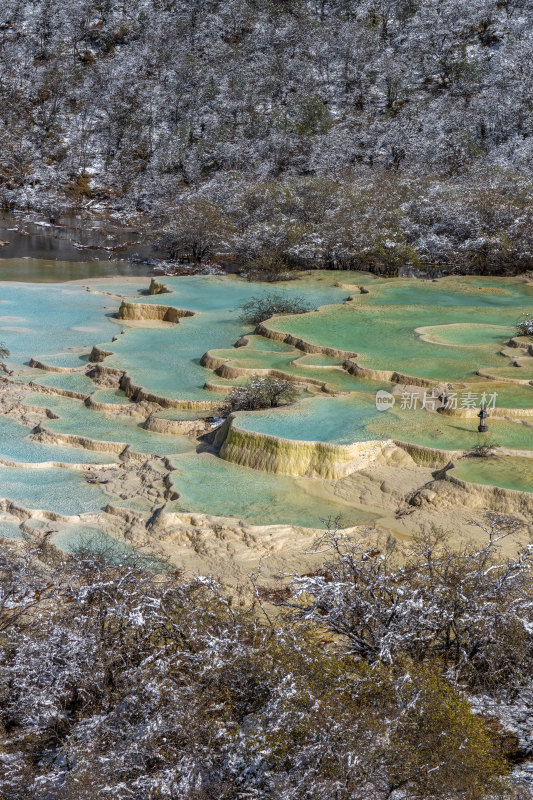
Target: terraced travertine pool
<point>167,362</point>
<point>58,490</point>
<point>384,338</point>
<point>509,473</point>
<point>210,485</point>
<point>354,418</point>
<point>452,333</point>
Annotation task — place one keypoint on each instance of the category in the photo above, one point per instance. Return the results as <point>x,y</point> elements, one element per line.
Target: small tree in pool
<point>259,308</point>
<point>482,450</point>
<point>262,391</point>
<point>524,326</point>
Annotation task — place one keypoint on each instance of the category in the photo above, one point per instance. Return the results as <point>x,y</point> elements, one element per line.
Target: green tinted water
<point>353,418</point>
<point>39,270</point>
<point>509,473</point>
<point>75,418</point>
<point>72,381</point>
<point>477,291</point>
<point>524,372</point>
<point>293,363</point>
<point>60,323</point>
<point>508,395</point>
<point>166,361</point>
<point>213,486</point>
<point>469,334</point>
<point>386,339</point>
<point>113,396</point>
<point>380,326</point>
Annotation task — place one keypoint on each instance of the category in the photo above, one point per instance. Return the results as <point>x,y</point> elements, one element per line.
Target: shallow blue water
<point>167,361</point>
<point>47,319</point>
<point>60,490</point>
<point>10,530</point>
<point>76,419</point>
<point>15,445</point>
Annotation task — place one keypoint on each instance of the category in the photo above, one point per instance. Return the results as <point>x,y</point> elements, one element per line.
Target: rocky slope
<point>376,133</point>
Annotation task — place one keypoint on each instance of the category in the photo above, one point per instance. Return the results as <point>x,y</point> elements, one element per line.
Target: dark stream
<point>71,249</point>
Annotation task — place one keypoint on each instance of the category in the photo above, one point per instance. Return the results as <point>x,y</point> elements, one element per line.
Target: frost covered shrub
<point>469,608</point>
<point>484,450</point>
<point>262,307</point>
<point>262,391</point>
<point>116,682</point>
<point>524,326</point>
<point>195,231</point>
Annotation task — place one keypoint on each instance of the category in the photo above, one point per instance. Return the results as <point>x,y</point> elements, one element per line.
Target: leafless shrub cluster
<point>117,681</point>
<point>261,391</point>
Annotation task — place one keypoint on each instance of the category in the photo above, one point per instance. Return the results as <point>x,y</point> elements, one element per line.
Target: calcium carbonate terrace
<point>402,336</point>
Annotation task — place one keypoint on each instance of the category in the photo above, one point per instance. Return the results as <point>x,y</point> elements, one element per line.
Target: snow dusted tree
<point>116,681</point>
<point>241,99</point>
<point>466,607</point>
<point>261,391</point>
<point>524,326</point>
<point>262,307</point>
